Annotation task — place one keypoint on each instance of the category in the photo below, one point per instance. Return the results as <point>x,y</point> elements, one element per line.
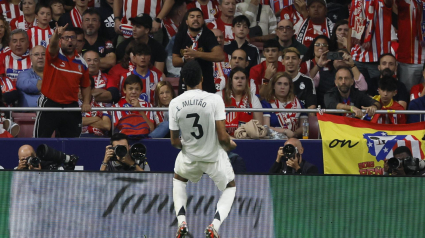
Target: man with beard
<point>65,71</point>
<point>94,42</point>
<point>200,44</point>
<point>346,97</point>
<point>388,67</point>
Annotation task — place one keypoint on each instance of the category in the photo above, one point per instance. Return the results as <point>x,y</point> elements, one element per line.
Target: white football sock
<point>223,206</point>
<point>180,199</point>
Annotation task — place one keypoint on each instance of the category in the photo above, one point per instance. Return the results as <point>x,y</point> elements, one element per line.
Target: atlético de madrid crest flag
<point>353,146</point>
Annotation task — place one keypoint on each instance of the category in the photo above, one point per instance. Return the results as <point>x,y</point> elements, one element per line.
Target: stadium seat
<point>26,121</point>
<point>314,130</point>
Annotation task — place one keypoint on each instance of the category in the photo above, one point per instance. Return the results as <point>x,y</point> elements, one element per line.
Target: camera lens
<point>138,151</point>
<point>394,163</point>
<point>120,151</point>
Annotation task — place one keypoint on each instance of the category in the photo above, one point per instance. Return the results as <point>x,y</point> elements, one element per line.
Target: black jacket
<point>306,168</point>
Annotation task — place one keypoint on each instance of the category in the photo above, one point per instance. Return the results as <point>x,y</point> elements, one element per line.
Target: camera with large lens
<point>138,153</point>
<point>119,151</point>
<point>409,164</point>
<point>53,159</point>
<point>289,151</point>
<point>34,161</point>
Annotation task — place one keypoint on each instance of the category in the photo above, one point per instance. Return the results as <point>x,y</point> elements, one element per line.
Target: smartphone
<point>335,55</point>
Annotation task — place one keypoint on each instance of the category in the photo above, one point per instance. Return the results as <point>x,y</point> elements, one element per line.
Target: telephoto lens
<point>289,151</point>
<point>138,151</point>
<point>34,161</point>
<point>394,163</point>
<point>119,151</point>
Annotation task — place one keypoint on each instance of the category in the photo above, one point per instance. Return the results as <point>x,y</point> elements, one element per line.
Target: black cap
<point>309,2</point>
<point>143,20</point>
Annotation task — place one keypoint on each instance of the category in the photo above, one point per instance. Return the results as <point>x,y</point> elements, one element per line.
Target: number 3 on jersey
<point>195,124</point>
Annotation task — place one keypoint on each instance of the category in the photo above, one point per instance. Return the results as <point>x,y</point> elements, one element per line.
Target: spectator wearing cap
<point>316,23</point>
<point>74,17</point>
<point>29,81</point>
<point>142,26</point>
<point>94,42</point>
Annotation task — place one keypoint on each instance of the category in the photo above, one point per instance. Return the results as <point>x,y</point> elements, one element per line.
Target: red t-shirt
<point>416,90</point>
<point>63,76</point>
<point>257,74</point>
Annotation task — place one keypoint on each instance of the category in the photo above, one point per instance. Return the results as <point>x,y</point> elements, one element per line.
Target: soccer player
<point>200,118</point>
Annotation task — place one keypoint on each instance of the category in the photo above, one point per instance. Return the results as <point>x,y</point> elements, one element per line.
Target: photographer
<point>24,153</point>
<point>114,162</point>
<point>403,163</point>
<point>289,160</point>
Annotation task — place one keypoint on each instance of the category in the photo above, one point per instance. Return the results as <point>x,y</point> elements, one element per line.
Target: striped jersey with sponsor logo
<point>63,76</point>
<point>409,35</point>
<point>38,36</point>
<point>11,65</point>
<point>381,32</point>
<point>291,13</point>
<point>101,80</point>
<point>10,11</point>
<point>132,8</point>
<point>150,80</point>
<point>90,129</point>
<point>7,85</point>
<point>223,27</point>
<point>123,103</point>
<point>21,23</point>
<point>210,10</point>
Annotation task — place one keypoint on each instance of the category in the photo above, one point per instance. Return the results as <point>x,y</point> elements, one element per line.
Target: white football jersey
<point>194,113</point>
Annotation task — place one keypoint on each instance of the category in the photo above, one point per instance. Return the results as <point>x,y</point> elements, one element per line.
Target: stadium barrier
<point>96,204</point>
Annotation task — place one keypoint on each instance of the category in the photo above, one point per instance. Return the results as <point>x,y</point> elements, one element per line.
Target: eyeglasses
<point>321,44</point>
<point>67,38</point>
<point>288,28</point>
<point>39,54</point>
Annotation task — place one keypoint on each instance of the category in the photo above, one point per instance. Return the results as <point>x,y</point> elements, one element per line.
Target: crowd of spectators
<point>345,54</point>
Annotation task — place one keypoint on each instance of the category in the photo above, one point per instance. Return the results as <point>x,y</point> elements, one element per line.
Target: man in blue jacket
<point>29,81</point>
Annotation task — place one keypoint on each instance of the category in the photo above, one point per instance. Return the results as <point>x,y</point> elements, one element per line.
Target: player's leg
<point>224,177</point>
<point>180,201</point>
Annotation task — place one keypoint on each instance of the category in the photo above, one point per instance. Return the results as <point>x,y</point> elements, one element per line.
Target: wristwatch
<point>157,19</point>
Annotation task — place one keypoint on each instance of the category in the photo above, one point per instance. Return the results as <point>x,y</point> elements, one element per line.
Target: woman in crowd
<point>315,57</point>
<point>238,95</point>
<point>340,35</point>
<point>4,34</point>
<point>27,20</point>
<point>280,94</point>
<point>164,93</point>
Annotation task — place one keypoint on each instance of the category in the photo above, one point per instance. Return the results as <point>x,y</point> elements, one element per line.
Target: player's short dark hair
<point>142,49</point>
<point>131,79</point>
<point>386,54</point>
<point>344,68</point>
<point>91,11</point>
<point>272,43</point>
<point>387,83</point>
<point>402,149</point>
<point>78,31</point>
<point>119,136</point>
<point>241,19</point>
<point>38,6</point>
<point>191,73</point>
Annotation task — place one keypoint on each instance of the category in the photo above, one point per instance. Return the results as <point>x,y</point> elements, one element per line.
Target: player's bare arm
<point>175,140</point>
<point>223,136</point>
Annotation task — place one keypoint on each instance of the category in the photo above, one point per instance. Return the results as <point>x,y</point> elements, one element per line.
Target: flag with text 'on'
<point>353,146</point>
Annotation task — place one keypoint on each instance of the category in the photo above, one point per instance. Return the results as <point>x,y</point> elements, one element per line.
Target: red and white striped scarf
<point>76,17</point>
<point>287,120</point>
<point>195,39</point>
<point>170,26</point>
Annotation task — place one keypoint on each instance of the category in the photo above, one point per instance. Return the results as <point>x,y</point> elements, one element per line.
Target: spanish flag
<point>354,146</point>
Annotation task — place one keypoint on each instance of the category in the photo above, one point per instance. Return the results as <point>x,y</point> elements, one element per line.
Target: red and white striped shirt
<point>132,8</point>
<point>11,65</point>
<point>409,19</point>
<point>170,27</point>
<point>21,23</point>
<point>223,27</point>
<point>101,80</point>
<point>149,81</point>
<point>10,11</point>
<point>38,36</point>
<point>100,114</point>
<point>76,17</point>
<point>123,103</point>
<point>7,85</point>
<point>277,5</point>
<point>210,10</point>
<point>381,36</point>
<point>290,13</point>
